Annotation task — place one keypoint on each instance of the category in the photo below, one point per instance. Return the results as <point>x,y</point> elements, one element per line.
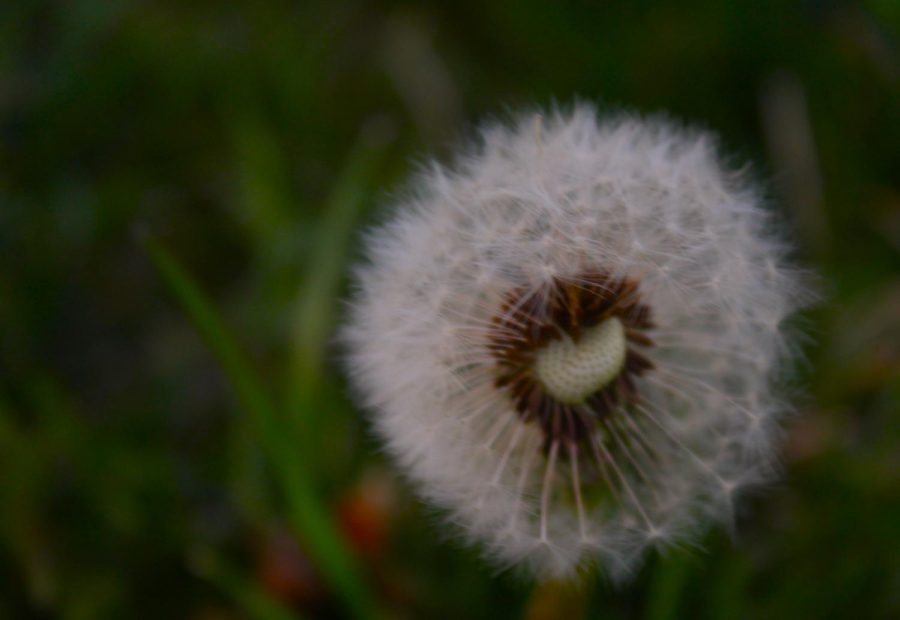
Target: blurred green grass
<point>249,144</point>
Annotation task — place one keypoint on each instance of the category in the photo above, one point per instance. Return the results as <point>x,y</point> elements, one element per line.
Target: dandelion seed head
<point>570,338</point>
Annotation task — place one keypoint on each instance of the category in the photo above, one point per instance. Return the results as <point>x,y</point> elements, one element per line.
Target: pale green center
<point>571,371</point>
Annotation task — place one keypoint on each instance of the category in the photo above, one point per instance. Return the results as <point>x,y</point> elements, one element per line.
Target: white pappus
<point>571,339</point>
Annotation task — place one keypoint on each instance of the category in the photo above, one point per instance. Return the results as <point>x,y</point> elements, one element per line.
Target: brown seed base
<point>529,319</point>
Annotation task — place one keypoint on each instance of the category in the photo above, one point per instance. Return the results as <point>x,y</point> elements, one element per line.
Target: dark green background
<point>248,143</point>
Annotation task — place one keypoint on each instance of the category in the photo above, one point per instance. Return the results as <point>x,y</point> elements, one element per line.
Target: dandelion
<point>571,339</point>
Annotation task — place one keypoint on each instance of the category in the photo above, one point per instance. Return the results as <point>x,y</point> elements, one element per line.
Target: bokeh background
<point>182,185</point>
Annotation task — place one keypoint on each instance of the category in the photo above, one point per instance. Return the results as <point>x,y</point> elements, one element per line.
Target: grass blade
<point>309,517</point>
<point>317,307</point>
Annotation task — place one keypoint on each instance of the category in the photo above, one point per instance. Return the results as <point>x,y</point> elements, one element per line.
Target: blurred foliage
<point>175,438</point>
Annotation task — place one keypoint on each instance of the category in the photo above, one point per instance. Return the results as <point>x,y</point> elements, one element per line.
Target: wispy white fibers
<point>540,232</point>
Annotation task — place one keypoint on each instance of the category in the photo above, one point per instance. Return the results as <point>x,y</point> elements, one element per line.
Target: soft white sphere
<point>544,200</point>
